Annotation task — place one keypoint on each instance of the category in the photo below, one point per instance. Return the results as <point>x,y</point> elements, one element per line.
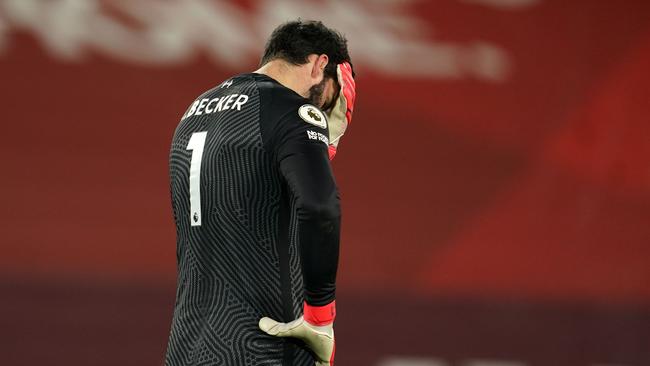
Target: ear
<point>318,68</point>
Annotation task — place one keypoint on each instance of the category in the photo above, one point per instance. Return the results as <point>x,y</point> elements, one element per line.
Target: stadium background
<point>495,179</point>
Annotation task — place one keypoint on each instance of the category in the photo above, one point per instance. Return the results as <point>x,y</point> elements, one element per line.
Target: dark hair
<point>295,40</point>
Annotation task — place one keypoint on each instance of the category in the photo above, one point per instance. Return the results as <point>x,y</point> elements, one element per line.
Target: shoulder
<point>283,104</point>
<point>279,98</point>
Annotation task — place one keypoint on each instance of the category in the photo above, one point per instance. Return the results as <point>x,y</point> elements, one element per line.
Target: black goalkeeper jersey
<point>257,222</point>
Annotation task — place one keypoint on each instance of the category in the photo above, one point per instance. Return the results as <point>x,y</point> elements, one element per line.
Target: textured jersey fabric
<point>258,234</point>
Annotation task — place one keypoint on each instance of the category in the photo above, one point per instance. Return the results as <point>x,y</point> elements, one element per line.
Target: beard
<point>316,94</point>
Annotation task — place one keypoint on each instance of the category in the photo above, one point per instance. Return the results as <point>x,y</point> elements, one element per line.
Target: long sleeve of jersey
<point>304,164</point>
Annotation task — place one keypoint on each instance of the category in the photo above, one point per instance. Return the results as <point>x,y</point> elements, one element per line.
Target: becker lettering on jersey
<point>224,103</point>
<point>318,136</point>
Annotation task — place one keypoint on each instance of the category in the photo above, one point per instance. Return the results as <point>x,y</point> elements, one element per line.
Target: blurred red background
<point>495,179</point>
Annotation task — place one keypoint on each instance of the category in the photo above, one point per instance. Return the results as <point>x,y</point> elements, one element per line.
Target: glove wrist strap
<point>319,315</point>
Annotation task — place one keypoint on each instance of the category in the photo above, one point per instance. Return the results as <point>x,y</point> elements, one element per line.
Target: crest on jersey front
<point>312,115</point>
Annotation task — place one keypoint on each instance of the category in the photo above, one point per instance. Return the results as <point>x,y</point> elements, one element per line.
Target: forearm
<point>319,219</point>
<point>319,251</point>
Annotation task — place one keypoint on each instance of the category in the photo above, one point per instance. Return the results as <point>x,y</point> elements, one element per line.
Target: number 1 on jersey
<point>196,144</point>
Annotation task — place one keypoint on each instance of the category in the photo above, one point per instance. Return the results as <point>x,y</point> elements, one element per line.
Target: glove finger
<point>346,95</point>
<point>347,66</point>
<point>339,75</point>
<point>349,79</point>
<point>346,70</point>
<point>350,96</point>
<point>274,328</point>
<point>348,86</point>
<point>347,98</point>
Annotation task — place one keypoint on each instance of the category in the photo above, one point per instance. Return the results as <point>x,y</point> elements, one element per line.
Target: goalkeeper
<point>257,209</point>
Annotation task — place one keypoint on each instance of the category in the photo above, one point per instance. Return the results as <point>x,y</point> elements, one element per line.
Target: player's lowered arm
<point>310,179</point>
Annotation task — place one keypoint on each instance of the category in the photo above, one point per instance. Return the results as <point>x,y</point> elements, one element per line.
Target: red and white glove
<point>315,328</point>
<point>340,116</point>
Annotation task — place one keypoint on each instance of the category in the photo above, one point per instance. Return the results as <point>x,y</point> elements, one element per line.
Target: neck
<point>285,74</point>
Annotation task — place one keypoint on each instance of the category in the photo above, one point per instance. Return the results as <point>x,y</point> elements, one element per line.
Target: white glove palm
<point>320,339</point>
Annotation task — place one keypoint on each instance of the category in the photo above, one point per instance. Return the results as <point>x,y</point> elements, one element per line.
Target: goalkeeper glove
<point>340,116</point>
<point>315,328</point>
